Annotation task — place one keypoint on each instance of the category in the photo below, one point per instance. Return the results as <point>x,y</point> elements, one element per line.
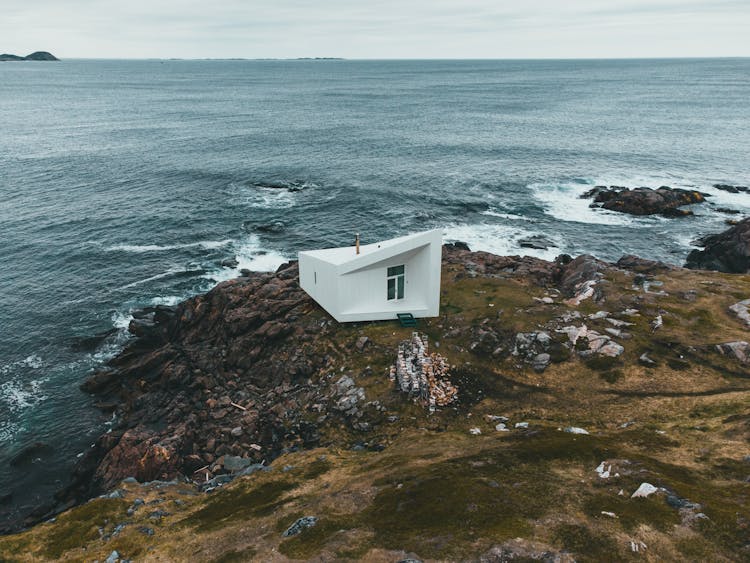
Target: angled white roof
<point>371,253</point>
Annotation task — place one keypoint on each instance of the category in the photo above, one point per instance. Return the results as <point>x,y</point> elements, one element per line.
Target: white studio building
<point>376,281</point>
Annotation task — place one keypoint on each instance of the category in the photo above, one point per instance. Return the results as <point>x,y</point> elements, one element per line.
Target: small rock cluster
<point>590,342</point>
<point>423,375</point>
<point>534,346</point>
<point>664,201</point>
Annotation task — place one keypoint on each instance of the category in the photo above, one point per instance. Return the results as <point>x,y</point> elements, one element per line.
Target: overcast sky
<point>376,28</point>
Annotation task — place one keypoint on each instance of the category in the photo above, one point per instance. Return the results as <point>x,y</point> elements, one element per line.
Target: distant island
<point>35,56</point>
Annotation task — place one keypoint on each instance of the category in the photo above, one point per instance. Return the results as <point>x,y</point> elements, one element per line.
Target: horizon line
<point>333,58</point>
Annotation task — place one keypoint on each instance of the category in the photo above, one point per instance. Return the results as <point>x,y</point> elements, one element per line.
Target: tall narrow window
<point>395,282</point>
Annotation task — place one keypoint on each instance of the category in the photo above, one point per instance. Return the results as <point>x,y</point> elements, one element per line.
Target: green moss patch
<point>240,503</point>
<point>237,556</point>
<point>587,544</point>
<point>631,512</point>
<point>78,527</point>
<point>311,540</point>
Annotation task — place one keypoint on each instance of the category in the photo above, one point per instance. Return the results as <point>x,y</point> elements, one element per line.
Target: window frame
<point>395,281</point>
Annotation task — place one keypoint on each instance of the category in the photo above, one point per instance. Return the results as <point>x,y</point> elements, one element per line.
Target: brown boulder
<point>141,454</point>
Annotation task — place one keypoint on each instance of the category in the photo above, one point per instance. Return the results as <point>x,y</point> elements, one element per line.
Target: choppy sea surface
<point>127,183</point>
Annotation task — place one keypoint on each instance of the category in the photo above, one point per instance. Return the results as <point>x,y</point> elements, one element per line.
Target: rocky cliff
<point>602,413</point>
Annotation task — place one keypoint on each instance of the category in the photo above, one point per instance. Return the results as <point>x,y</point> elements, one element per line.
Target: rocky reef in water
<point>665,201</point>
<point>601,413</point>
<point>35,56</point>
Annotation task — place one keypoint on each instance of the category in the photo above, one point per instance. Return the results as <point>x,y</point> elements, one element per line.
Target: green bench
<point>406,319</point>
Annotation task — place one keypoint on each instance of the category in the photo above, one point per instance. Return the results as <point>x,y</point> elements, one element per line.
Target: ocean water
<point>126,183</point>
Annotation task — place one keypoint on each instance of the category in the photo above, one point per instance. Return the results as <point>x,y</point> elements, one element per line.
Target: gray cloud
<point>377,28</point>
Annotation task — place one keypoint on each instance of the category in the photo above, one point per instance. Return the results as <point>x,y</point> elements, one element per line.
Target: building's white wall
<point>361,294</point>
<point>324,289</point>
<point>365,290</point>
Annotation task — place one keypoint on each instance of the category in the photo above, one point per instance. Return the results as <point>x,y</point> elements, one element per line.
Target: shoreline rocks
<point>728,251</point>
<point>244,373</point>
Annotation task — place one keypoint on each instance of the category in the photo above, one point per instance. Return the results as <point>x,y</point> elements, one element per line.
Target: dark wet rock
<point>142,327</point>
<point>458,245</point>
<point>727,210</point>
<point>538,242</point>
<point>29,453</point>
<point>731,189</point>
<point>300,525</point>
<point>290,186</point>
<point>274,227</point>
<point>664,201</point>
<point>91,343</point>
<point>230,262</point>
<point>102,379</point>
<point>728,251</point>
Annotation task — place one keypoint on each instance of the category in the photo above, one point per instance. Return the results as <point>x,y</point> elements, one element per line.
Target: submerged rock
<point>731,189</point>
<point>538,242</point>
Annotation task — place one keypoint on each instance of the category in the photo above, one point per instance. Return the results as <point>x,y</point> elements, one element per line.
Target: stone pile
<point>422,375</point>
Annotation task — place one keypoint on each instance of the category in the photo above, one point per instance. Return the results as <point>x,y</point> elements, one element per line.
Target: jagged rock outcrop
<point>211,377</point>
<point>728,251</point>
<point>664,201</point>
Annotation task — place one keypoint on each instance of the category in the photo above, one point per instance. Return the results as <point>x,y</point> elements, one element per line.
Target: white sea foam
<point>740,201</point>
<point>33,362</point>
<point>166,274</point>
<point>270,198</point>
<point>169,300</point>
<point>121,320</point>
<point>498,239</point>
<point>18,395</point>
<point>512,216</point>
<point>8,430</point>
<point>141,248</point>
<point>251,256</point>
